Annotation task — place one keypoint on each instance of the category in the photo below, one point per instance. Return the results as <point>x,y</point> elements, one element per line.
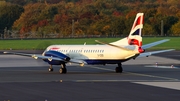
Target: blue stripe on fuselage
<point>88,61</point>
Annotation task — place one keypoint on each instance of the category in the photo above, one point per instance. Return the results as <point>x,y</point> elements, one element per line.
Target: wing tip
<point>5,52</point>
<point>166,39</point>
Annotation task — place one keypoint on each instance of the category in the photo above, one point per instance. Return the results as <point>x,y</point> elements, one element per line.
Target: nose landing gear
<point>50,68</point>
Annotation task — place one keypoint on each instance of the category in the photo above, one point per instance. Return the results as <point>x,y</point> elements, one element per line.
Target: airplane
<point>106,53</point>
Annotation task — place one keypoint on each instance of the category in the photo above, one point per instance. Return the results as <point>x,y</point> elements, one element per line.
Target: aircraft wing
<point>22,54</point>
<point>39,56</point>
<point>154,44</point>
<point>146,54</point>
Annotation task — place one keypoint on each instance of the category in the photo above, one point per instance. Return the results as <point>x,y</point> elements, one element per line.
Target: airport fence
<point>15,35</point>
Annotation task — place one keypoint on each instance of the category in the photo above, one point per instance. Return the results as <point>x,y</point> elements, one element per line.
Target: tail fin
<point>137,25</point>
<point>134,37</point>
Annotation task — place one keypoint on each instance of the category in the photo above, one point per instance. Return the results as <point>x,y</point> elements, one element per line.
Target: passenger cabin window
<point>92,51</point>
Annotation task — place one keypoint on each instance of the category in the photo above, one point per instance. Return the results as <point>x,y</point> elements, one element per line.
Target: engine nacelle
<point>57,54</point>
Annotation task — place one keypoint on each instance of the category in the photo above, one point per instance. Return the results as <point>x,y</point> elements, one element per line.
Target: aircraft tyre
<point>50,68</point>
<point>119,69</point>
<point>63,69</point>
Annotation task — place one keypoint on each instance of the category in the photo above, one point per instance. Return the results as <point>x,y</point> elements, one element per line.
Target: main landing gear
<point>62,70</point>
<point>119,69</point>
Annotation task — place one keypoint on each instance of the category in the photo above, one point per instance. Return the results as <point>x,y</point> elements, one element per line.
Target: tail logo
<point>138,25</point>
<point>134,37</point>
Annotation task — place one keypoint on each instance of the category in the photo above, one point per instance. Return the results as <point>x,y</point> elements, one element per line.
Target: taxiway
<point>26,79</point>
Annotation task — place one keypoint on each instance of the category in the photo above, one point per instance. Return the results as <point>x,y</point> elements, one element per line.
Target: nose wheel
<point>50,68</point>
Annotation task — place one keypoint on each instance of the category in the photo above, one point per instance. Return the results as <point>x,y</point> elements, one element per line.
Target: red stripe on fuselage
<point>54,48</point>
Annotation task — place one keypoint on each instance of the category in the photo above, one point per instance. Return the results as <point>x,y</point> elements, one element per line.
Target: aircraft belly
<point>105,61</point>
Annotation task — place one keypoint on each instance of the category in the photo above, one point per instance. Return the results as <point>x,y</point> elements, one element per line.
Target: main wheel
<point>63,69</point>
<point>118,69</point>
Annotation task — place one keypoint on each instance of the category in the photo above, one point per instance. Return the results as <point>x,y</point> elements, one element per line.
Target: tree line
<point>62,18</point>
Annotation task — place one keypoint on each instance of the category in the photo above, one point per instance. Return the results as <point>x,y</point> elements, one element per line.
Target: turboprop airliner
<point>106,53</point>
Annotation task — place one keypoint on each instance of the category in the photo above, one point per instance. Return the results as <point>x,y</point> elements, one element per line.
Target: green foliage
<point>9,13</point>
<point>148,30</point>
<point>176,29</point>
<point>117,26</point>
<point>91,17</point>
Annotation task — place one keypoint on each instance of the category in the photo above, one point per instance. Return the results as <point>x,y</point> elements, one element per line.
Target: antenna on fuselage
<point>84,43</point>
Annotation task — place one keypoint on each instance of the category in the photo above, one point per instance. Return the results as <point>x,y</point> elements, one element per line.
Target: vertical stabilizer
<point>134,38</point>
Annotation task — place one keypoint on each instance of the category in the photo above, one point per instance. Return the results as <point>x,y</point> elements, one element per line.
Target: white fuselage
<point>92,52</point>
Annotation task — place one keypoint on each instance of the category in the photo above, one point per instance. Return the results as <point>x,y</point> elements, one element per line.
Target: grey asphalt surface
<point>26,79</point>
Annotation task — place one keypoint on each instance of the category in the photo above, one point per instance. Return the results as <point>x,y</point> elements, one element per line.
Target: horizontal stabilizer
<point>154,44</point>
<point>146,54</point>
